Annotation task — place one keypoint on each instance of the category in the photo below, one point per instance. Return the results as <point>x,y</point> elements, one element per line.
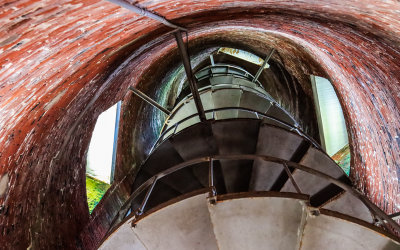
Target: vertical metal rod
<point>211,173</point>
<point>291,178</point>
<point>114,154</point>
<point>211,176</point>
<point>149,100</point>
<point>263,65</point>
<point>146,198</point>
<point>189,73</point>
<point>212,60</point>
<point>144,12</point>
<point>176,127</point>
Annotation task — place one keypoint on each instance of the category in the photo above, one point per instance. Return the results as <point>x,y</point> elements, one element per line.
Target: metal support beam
<point>395,216</point>
<point>116,127</point>
<point>144,12</point>
<point>150,101</point>
<point>189,73</point>
<point>291,178</point>
<point>212,60</point>
<point>263,65</point>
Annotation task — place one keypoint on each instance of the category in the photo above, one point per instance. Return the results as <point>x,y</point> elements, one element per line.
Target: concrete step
<point>257,222</point>
<point>331,233</point>
<point>254,220</point>
<point>348,204</point>
<point>123,239</point>
<point>183,225</point>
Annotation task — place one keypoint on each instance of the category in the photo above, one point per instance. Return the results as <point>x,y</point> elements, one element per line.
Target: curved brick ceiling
<point>56,58</point>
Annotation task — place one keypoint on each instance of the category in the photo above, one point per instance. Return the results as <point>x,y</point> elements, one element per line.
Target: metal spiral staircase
<point>245,177</point>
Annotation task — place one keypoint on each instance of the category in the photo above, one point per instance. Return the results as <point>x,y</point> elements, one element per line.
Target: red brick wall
<point>55,62</point>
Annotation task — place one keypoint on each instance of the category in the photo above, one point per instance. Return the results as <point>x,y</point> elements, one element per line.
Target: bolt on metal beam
<point>263,65</point>
<point>144,12</point>
<point>189,74</point>
<point>150,101</point>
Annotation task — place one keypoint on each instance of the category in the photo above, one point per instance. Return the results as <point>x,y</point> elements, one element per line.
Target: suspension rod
<point>147,99</point>
<point>260,70</point>
<point>146,13</point>
<point>189,74</point>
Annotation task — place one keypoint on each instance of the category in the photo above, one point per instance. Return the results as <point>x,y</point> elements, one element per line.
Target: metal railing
<point>148,186</point>
<point>257,114</point>
<point>225,70</point>
<point>228,86</point>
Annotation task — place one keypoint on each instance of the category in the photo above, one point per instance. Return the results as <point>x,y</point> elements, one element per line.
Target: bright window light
<point>330,116</point>
<point>101,148</point>
<point>244,55</point>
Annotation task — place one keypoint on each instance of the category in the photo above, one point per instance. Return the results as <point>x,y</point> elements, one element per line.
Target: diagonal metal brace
<point>144,12</point>
<point>150,101</point>
<point>260,70</point>
<point>189,74</point>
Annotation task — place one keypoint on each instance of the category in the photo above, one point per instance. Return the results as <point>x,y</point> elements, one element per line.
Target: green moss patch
<point>95,190</point>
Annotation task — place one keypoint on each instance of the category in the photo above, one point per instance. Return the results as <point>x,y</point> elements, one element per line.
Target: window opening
<point>101,155</point>
<point>331,123</point>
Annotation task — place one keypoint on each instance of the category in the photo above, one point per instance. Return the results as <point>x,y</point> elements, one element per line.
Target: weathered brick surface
<point>55,63</point>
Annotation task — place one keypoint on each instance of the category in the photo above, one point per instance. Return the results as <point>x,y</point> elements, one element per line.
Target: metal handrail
<point>246,75</point>
<point>209,88</point>
<point>259,114</point>
<point>149,184</point>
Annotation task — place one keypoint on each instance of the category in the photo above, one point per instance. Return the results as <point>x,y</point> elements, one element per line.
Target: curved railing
<point>258,115</point>
<point>381,216</point>
<point>231,86</point>
<point>223,70</point>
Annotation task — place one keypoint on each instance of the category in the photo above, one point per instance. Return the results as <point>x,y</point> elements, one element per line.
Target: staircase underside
<point>265,196</point>
<point>252,220</point>
<point>239,136</point>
